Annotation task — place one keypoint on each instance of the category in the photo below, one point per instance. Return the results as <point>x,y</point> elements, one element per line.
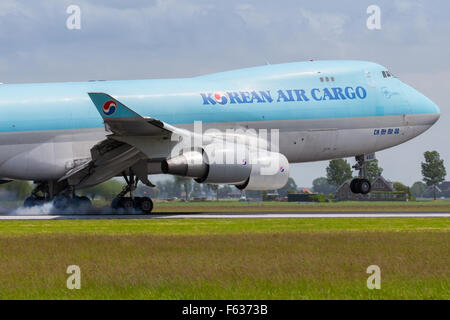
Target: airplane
<point>69,136</point>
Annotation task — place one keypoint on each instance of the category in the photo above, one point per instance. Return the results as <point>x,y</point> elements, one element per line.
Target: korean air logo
<point>220,97</point>
<point>282,169</point>
<point>109,108</point>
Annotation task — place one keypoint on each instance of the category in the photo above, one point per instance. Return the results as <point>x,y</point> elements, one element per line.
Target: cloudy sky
<point>161,39</point>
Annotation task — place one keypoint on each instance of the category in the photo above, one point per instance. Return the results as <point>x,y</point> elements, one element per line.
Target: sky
<point>165,39</point>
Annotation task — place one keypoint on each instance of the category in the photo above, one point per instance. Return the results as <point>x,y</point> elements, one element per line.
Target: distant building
<point>382,190</point>
<point>300,197</point>
<point>344,193</point>
<point>271,196</point>
<point>445,186</point>
<point>305,195</point>
<point>382,184</point>
<point>430,190</point>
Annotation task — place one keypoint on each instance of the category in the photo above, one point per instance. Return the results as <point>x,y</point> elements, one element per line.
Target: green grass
<point>217,226</point>
<point>273,206</point>
<point>226,258</point>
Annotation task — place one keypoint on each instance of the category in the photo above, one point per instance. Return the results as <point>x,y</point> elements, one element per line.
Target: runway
<point>231,215</point>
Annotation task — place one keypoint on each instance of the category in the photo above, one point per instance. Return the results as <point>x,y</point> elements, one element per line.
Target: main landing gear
<point>131,203</point>
<point>61,196</point>
<point>362,184</point>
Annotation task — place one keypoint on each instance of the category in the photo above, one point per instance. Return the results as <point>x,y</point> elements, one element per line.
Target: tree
<point>197,189</point>
<point>290,186</point>
<point>338,171</point>
<point>225,191</point>
<point>418,188</point>
<point>106,190</point>
<point>186,185</point>
<point>433,169</point>
<point>398,186</point>
<point>215,187</point>
<point>20,189</point>
<point>373,170</point>
<point>321,185</point>
<point>146,191</point>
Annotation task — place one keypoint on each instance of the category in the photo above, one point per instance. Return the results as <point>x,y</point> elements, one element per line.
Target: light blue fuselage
<point>323,109</point>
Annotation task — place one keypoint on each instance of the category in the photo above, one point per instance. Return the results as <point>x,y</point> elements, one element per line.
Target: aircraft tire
<point>29,202</point>
<point>364,186</point>
<point>145,205</point>
<point>61,202</point>
<point>84,203</point>
<point>115,204</point>
<point>127,204</point>
<point>354,185</point>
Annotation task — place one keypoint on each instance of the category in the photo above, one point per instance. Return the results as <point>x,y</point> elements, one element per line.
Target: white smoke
<point>44,209</point>
<point>49,209</point>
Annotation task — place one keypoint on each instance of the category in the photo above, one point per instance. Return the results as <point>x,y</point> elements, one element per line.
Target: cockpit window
<point>387,74</point>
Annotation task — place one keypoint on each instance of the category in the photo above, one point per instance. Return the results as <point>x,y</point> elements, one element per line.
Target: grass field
<point>272,206</point>
<point>226,258</point>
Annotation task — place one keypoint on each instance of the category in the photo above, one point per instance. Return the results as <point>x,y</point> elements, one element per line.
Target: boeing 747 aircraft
<point>241,127</point>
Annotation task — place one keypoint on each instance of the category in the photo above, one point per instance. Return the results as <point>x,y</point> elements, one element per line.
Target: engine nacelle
<point>189,164</point>
<point>233,164</point>
<point>215,165</point>
<point>270,171</point>
<point>227,164</point>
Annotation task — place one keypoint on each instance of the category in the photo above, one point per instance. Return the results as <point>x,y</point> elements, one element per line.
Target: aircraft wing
<point>134,144</point>
<point>109,158</point>
<point>135,140</point>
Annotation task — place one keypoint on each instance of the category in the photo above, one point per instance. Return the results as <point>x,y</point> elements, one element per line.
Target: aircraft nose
<point>437,111</point>
<point>423,105</point>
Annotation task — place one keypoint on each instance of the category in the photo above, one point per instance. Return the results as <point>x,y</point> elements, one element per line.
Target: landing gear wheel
<point>122,203</point>
<point>145,204</point>
<point>354,185</point>
<point>29,202</point>
<point>84,203</point>
<point>364,186</point>
<point>127,204</point>
<point>360,186</point>
<point>61,202</point>
<point>115,204</point>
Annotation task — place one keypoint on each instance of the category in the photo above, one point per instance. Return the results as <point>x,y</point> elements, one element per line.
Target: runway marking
<point>232,215</point>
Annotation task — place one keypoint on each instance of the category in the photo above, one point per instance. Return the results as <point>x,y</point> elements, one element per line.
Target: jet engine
<point>235,165</point>
<point>270,171</point>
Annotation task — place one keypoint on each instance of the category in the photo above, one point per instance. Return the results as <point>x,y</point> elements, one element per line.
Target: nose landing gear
<point>362,184</point>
